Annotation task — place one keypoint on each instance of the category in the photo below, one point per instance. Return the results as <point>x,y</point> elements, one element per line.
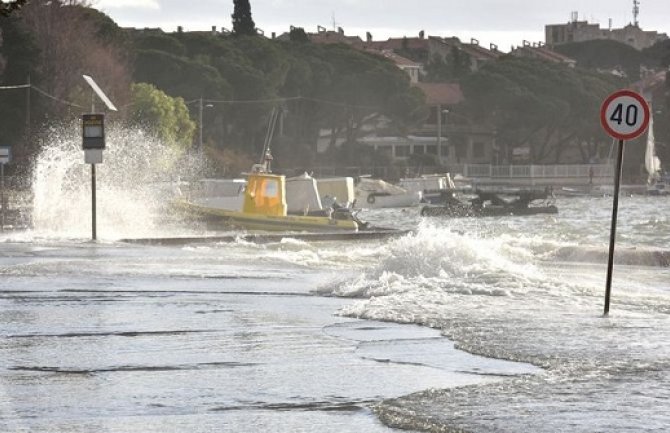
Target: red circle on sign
<point>613,99</point>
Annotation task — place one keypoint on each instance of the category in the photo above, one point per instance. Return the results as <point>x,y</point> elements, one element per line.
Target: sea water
<point>505,288</point>
<point>318,336</point>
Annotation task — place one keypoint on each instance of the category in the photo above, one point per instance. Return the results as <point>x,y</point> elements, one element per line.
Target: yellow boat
<point>264,208</point>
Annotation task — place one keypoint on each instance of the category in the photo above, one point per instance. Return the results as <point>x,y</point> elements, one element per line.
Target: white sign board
<point>93,156</point>
<point>624,115</point>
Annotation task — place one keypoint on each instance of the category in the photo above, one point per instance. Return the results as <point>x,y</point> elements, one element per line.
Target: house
<point>413,69</point>
<point>580,31</point>
<point>423,49</point>
<point>460,139</point>
<point>477,54</point>
<point>540,51</point>
<point>323,36</point>
<point>448,142</point>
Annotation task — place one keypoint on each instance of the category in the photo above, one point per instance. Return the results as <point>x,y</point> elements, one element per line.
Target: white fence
<point>585,171</point>
<point>576,174</point>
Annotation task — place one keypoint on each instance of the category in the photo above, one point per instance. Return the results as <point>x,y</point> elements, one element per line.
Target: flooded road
<point>111,337</point>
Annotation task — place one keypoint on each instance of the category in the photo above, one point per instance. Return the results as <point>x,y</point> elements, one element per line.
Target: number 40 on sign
<point>624,115</point>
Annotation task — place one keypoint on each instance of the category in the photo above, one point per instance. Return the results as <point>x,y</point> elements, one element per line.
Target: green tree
<point>73,40</point>
<point>452,67</point>
<point>542,105</point>
<point>18,53</point>
<point>658,55</point>
<point>605,55</point>
<point>297,34</point>
<point>162,115</point>
<point>243,24</point>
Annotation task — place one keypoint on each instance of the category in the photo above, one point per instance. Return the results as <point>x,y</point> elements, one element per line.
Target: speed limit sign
<point>624,115</point>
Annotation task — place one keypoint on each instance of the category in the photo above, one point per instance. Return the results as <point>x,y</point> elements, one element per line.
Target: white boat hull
<point>373,200</point>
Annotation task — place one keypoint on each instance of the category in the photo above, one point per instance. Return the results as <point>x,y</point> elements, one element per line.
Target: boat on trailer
<point>496,203</point>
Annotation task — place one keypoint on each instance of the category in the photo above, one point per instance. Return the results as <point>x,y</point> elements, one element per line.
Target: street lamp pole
<point>439,113</point>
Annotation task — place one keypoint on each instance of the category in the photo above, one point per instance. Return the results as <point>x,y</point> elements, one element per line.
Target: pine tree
<point>242,22</point>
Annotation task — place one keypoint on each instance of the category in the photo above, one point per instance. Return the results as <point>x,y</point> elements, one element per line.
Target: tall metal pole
<point>2,196</point>
<point>93,204</point>
<point>94,211</point>
<point>28,111</point>
<point>200,126</point>
<point>615,209</point>
<point>439,133</point>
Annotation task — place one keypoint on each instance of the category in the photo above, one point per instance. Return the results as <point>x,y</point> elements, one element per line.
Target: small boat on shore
<point>265,206</point>
<point>376,194</point>
<point>490,203</point>
<point>432,187</point>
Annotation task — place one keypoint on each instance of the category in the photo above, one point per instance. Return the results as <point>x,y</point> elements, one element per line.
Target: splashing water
<point>439,259</point>
<point>134,184</point>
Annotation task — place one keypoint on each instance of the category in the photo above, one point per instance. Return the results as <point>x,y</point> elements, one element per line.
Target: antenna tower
<point>636,12</point>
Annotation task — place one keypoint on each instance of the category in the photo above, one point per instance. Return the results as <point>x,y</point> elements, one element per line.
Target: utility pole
<point>200,126</point>
<point>28,111</point>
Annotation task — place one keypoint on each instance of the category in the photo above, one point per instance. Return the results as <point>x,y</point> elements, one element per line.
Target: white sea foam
<point>133,185</point>
<point>442,260</point>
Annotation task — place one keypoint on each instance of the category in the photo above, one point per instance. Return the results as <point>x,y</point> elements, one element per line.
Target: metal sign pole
<point>93,141</point>
<point>615,210</point>
<point>2,196</point>
<point>93,206</point>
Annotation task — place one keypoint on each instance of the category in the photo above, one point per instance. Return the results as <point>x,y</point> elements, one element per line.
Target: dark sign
<point>93,131</point>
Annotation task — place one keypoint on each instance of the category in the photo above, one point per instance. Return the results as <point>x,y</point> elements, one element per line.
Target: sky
<point>505,23</point>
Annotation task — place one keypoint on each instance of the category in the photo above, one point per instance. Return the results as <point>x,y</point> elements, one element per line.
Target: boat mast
<point>266,156</point>
<point>651,162</point>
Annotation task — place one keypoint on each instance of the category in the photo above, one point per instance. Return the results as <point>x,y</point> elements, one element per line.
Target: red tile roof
<point>542,52</point>
<point>400,43</point>
<point>480,52</point>
<point>330,37</point>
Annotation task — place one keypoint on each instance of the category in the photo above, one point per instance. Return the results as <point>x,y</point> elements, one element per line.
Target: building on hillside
<point>480,55</point>
<point>419,45</point>
<point>409,53</point>
<point>457,140</point>
<point>538,50</point>
<point>581,31</point>
<point>413,69</point>
<point>325,36</point>
<point>429,139</point>
<point>447,142</point>
<point>423,49</point>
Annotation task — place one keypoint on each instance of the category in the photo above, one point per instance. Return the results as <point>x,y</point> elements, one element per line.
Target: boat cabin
<point>265,194</point>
